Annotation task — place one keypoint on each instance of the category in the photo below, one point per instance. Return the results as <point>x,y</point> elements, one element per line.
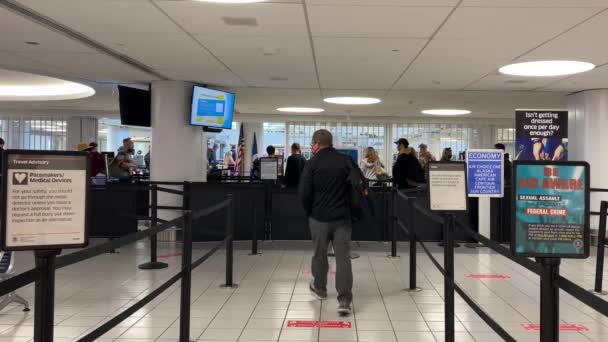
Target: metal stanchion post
<point>391,218</point>
<point>153,264</point>
<point>184,307</point>
<point>601,242</point>
<point>254,232</point>
<point>412,228</point>
<point>44,312</point>
<point>448,264</point>
<point>229,244</point>
<point>549,300</point>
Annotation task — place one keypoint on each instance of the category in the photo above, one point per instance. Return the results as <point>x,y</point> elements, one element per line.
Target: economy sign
<point>485,170</point>
<point>551,209</point>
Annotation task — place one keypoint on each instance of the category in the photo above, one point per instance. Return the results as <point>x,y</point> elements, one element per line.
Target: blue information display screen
<point>212,108</point>
<point>485,169</point>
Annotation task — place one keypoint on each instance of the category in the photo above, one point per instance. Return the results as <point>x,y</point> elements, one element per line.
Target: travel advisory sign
<point>551,209</point>
<point>448,186</point>
<point>44,198</point>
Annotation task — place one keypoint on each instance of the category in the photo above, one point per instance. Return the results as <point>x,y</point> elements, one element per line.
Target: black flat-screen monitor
<point>134,106</point>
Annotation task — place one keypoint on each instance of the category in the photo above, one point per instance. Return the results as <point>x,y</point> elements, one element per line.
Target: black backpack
<point>359,194</point>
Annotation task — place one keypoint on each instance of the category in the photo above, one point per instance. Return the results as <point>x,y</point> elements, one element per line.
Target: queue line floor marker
<point>320,324</point>
<point>562,327</point>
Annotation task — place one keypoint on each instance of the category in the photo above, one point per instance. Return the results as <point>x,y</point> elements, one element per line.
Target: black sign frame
<point>586,225</point>
<point>3,199</point>
<point>466,185</point>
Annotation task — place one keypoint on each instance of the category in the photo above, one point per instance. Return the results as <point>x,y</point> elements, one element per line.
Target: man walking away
<point>324,191</point>
<point>508,164</point>
<point>295,166</point>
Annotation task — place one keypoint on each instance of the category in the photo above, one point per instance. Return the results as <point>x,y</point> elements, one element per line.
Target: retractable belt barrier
<point>44,333</point>
<point>447,270</point>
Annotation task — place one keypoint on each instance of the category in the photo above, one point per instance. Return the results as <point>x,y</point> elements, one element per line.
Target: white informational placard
<point>448,186</point>
<point>269,168</point>
<point>485,172</point>
<point>44,198</point>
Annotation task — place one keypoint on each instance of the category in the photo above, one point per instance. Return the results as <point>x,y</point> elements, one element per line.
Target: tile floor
<point>273,291</point>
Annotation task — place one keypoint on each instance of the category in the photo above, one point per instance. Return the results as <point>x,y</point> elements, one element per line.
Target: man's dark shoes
<point>320,294</point>
<point>344,309</point>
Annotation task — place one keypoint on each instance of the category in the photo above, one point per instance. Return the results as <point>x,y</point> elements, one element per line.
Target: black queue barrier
<point>47,263</point>
<point>601,245</point>
<point>548,270</point>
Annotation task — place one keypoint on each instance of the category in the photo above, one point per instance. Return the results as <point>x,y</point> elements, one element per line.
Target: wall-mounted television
<point>134,106</point>
<point>212,108</point>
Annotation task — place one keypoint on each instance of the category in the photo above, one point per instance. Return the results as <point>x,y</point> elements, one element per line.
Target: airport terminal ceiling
<point>413,55</point>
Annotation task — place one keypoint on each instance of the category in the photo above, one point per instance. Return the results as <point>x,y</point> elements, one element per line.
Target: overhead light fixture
<point>21,86</point>
<point>352,100</point>
<point>546,68</point>
<point>233,1</point>
<point>446,112</point>
<point>300,110</point>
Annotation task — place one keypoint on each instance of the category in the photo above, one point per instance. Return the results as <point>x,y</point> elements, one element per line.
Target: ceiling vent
<point>275,78</point>
<point>516,81</point>
<point>240,21</point>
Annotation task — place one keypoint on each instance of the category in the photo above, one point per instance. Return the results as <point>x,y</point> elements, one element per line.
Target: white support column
<point>587,138</point>
<point>176,153</point>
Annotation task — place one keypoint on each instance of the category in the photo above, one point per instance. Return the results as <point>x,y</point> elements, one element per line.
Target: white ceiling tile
<point>376,21</point>
<point>595,79</point>
<point>415,3</point>
<point>510,83</point>
<point>90,16</point>
<point>90,66</point>
<point>49,41</point>
<point>521,23</point>
<point>162,50</point>
<point>273,19</point>
<point>363,63</point>
<point>12,61</point>
<point>535,3</point>
<point>206,77</point>
<point>580,43</point>
<point>14,23</point>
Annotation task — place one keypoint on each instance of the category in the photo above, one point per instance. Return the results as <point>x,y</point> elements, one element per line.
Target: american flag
<point>240,164</point>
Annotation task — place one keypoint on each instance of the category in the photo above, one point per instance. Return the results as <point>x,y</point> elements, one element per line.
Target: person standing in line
<point>229,163</point>
<point>98,163</point>
<point>425,156</point>
<point>324,191</point>
<point>1,149</point>
<point>370,165</point>
<point>407,172</point>
<point>295,166</point>
<point>446,156</point>
<point>508,165</point>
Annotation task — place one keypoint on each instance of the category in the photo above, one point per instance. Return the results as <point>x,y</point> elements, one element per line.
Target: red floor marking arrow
<point>562,327</point>
<point>167,256</point>
<point>487,276</point>
<point>320,324</point>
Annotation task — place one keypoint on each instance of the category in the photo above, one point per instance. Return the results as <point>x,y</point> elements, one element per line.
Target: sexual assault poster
<point>541,134</point>
<point>551,209</point>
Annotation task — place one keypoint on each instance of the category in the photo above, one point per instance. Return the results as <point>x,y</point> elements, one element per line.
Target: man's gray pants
<point>338,232</point>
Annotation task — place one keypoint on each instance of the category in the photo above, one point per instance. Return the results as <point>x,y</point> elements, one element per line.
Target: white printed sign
<point>269,168</point>
<point>447,186</point>
<point>45,196</point>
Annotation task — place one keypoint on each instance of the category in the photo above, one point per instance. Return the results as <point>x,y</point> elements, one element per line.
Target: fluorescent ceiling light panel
<point>446,112</point>
<point>352,100</point>
<point>300,110</point>
<point>546,68</point>
<point>22,86</point>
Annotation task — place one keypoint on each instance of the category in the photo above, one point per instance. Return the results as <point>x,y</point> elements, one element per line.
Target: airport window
<point>274,134</point>
<point>437,137</point>
<point>34,134</point>
<point>356,136</point>
<point>506,136</point>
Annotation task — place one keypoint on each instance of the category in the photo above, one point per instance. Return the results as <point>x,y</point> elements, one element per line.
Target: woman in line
<point>371,166</point>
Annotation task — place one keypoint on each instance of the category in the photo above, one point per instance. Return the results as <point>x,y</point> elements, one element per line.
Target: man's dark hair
<point>270,150</point>
<point>125,140</point>
<point>93,144</point>
<point>323,137</point>
<point>295,146</point>
<point>1,141</point>
<point>500,147</point>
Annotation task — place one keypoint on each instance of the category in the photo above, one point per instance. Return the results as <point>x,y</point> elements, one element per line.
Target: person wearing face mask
<point>324,192</point>
<point>122,165</point>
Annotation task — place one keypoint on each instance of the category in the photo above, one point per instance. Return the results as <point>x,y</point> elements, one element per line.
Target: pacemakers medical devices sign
<point>485,170</point>
<point>44,198</point>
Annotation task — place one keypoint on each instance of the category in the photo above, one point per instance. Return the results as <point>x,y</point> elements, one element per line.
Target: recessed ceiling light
<point>546,68</point>
<point>233,1</point>
<point>32,43</point>
<point>352,100</point>
<point>446,112</point>
<point>21,86</point>
<point>300,110</point>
